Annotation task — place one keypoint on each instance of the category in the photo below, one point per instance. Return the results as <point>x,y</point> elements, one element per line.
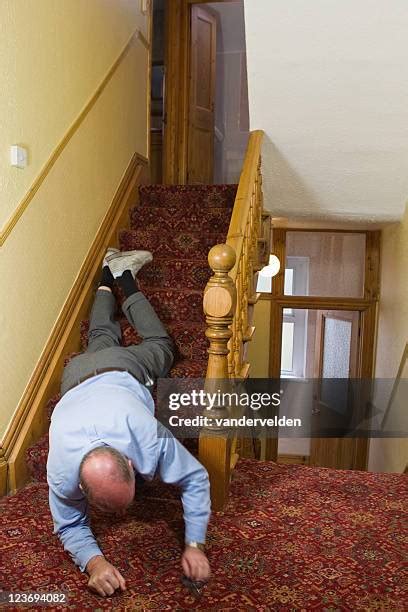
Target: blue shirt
<point>114,409</point>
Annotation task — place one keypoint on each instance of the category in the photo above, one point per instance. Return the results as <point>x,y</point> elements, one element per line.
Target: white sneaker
<point>109,252</point>
<point>128,260</point>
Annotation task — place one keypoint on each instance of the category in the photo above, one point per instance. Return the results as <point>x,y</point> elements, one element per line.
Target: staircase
<point>290,537</point>
<point>179,225</point>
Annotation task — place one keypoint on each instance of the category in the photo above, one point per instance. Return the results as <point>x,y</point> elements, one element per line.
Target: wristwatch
<point>198,545</point>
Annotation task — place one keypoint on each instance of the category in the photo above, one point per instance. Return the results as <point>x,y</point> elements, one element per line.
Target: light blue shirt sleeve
<point>177,466</point>
<point>71,524</point>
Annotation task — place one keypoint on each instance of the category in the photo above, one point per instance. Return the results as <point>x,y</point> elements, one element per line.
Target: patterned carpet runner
<point>291,537</point>
<point>179,225</point>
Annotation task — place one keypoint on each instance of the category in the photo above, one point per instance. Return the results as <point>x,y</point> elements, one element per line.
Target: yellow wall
<point>54,55</point>
<point>392,455</point>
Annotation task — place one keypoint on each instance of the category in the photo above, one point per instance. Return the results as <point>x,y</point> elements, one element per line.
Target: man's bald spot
<point>107,478</point>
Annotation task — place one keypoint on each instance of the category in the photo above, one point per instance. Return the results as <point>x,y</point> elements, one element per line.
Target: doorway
<point>323,310</point>
<point>206,113</point>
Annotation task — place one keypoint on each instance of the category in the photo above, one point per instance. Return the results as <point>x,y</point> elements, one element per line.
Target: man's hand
<point>103,577</point>
<point>195,564</point>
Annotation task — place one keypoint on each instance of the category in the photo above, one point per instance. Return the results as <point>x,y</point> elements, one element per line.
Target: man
<point>103,430</point>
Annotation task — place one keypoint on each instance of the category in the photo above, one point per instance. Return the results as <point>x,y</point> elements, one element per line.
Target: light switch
<point>145,6</point>
<point>18,156</point>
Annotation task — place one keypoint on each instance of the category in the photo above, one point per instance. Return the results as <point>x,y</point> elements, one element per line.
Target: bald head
<point>107,479</point>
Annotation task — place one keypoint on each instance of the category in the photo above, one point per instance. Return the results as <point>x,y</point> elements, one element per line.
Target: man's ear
<point>80,486</point>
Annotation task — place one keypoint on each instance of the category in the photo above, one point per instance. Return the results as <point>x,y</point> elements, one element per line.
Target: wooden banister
<point>219,307</point>
<point>229,299</point>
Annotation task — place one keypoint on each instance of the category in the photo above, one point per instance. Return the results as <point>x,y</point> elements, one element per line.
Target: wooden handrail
<point>229,300</point>
<point>242,202</point>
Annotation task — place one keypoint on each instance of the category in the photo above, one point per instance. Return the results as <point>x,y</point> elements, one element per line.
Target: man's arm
<point>71,524</point>
<point>178,466</point>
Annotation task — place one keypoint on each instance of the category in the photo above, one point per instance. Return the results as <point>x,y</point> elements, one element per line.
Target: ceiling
<point>328,85</point>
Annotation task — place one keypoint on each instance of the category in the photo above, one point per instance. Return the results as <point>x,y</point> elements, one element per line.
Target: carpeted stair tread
<point>292,537</point>
<point>174,274</point>
<point>173,305</point>
<point>175,219</point>
<point>36,458</point>
<point>201,196</point>
<point>189,368</point>
<point>183,245</point>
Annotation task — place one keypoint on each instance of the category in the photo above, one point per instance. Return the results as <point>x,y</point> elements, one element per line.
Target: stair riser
<point>186,245</point>
<point>178,220</point>
<point>217,196</point>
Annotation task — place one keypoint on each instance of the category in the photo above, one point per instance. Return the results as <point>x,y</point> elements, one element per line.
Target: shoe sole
<point>128,260</point>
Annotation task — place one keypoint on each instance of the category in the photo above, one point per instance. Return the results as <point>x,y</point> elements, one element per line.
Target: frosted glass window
<point>287,346</point>
<point>336,348</point>
<point>289,281</point>
<point>288,288</point>
<point>335,263</point>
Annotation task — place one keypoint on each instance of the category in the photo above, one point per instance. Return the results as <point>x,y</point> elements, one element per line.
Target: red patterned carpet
<point>291,538</point>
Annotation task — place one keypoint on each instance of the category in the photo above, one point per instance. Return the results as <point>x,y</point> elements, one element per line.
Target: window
<point>294,331</point>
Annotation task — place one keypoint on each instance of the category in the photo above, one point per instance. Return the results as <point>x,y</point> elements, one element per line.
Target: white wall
<point>328,84</point>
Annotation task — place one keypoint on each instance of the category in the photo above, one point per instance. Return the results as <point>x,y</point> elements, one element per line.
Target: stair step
<point>202,196</point>
<point>172,305</point>
<point>183,245</point>
<point>174,274</point>
<point>36,458</point>
<point>177,219</point>
<point>186,368</point>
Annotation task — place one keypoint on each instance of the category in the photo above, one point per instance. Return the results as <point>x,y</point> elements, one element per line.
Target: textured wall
<point>392,455</point>
<point>326,84</point>
<point>51,71</point>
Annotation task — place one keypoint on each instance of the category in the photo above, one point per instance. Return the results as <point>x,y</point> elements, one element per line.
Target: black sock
<point>107,279</point>
<point>128,283</point>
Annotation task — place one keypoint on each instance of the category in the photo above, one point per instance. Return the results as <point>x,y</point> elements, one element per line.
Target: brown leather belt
<point>95,373</point>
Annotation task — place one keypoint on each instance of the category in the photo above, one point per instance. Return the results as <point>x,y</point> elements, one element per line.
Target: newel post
<point>219,307</point>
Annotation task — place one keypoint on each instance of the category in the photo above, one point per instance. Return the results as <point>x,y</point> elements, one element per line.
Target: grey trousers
<point>147,361</point>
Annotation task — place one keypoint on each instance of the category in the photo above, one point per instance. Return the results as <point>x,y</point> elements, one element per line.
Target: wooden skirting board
<point>30,421</point>
<point>3,475</point>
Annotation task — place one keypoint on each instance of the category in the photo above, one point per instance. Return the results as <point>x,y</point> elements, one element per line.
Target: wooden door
<point>340,453</point>
<point>200,148</point>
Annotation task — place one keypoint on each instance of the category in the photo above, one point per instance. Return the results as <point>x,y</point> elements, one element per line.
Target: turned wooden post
<point>219,307</point>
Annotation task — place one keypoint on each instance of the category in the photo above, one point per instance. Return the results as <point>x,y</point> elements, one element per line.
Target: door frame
<point>177,88</point>
<point>367,306</point>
